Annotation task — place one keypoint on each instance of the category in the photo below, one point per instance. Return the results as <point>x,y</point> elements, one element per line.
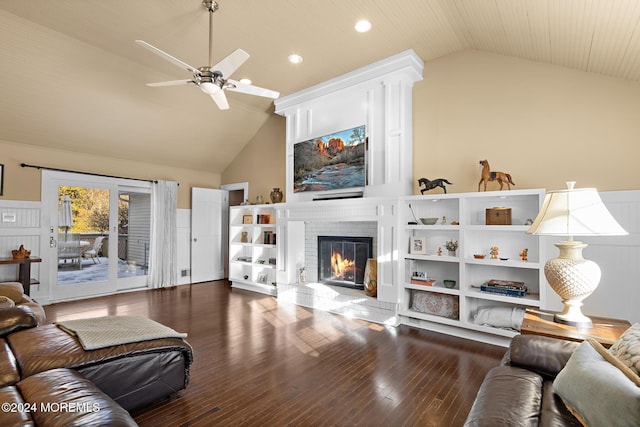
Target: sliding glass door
<point>98,234</point>
<point>134,234</point>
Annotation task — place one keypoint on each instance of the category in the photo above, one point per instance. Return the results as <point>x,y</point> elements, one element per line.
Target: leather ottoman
<point>134,375</point>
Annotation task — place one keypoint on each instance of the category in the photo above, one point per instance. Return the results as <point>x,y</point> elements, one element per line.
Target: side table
<point>605,330</point>
<point>24,271</point>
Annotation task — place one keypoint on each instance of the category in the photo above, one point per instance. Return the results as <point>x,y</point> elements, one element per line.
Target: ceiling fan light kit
<point>210,88</point>
<point>212,79</point>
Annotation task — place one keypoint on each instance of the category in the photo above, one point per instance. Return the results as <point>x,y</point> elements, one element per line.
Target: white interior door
<point>208,224</point>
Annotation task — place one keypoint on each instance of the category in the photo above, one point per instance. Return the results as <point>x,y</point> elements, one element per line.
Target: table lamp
<point>573,212</point>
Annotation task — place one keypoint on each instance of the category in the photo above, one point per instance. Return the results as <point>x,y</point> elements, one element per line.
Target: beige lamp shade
<point>575,212</point>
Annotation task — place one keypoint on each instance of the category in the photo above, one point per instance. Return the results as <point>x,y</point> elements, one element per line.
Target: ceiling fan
<point>212,79</point>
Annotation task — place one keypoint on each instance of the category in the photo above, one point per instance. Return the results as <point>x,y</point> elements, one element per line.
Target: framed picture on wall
<point>418,245</point>
<point>1,178</point>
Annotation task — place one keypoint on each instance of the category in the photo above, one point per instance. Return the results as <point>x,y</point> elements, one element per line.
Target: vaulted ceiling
<point>72,78</point>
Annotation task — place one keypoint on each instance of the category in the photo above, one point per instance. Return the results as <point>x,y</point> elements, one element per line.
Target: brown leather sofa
<point>60,397</point>
<point>48,379</point>
<point>520,391</point>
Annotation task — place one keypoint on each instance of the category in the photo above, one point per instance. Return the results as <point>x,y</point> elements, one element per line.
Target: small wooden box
<point>498,216</point>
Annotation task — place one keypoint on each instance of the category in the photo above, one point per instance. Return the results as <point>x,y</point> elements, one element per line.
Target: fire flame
<point>340,266</point>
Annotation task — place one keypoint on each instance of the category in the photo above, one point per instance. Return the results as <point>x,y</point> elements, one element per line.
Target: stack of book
<point>504,287</point>
<point>264,218</point>
<point>269,238</point>
<point>421,280</point>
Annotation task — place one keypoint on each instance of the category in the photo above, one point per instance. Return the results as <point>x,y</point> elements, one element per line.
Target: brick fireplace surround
<point>336,230</point>
<point>302,223</point>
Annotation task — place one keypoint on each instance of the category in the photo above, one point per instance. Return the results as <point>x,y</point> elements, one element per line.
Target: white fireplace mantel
<point>379,96</point>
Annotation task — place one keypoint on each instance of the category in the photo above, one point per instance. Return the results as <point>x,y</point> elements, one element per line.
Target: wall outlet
<point>8,217</point>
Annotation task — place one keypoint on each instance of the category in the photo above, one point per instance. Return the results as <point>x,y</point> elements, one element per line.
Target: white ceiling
<point>72,78</point>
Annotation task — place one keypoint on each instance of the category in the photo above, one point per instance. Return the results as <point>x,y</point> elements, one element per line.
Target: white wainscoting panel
<point>19,225</point>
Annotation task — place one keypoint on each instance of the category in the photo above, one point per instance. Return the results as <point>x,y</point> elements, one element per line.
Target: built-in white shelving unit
<point>464,221</point>
<point>252,248</point>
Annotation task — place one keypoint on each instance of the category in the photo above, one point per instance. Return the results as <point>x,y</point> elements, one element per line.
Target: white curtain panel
<point>163,254</point>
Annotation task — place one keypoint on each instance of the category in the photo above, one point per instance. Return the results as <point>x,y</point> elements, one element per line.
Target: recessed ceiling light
<point>295,59</point>
<point>245,81</point>
<point>363,26</point>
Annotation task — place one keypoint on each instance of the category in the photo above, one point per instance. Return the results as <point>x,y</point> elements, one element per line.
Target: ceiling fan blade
<point>221,100</point>
<point>171,83</point>
<point>251,89</point>
<point>231,63</point>
<point>168,57</point>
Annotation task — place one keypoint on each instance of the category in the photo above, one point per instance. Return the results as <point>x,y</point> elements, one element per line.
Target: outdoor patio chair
<point>94,252</point>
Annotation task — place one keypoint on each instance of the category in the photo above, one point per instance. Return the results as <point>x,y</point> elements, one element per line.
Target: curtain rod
<point>24,165</point>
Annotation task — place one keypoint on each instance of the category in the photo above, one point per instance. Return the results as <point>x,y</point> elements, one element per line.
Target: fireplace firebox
<point>342,260</point>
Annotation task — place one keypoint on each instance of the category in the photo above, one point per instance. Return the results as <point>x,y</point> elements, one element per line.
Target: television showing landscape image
<point>330,162</point>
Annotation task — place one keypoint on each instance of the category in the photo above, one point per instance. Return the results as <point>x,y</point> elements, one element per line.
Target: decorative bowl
<point>449,283</point>
<point>428,221</point>
<point>478,256</point>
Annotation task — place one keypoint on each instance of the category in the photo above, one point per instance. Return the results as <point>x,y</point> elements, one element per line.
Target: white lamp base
<point>572,315</point>
<point>573,278</point>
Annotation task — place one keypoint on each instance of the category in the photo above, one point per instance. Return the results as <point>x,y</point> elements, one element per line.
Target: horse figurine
<point>430,185</point>
<point>487,175</point>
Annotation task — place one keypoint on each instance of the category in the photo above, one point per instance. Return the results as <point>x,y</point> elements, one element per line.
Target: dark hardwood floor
<point>264,364</point>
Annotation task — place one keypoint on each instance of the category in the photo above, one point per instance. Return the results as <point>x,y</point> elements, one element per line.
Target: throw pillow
<point>6,302</point>
<point>597,392</point>
<point>627,348</point>
<point>12,290</point>
<point>615,361</point>
<point>500,317</point>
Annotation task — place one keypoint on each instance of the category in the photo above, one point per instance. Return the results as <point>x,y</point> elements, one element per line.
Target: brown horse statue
<point>487,175</point>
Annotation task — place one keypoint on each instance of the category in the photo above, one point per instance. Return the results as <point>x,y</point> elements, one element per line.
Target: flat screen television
<point>330,162</point>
